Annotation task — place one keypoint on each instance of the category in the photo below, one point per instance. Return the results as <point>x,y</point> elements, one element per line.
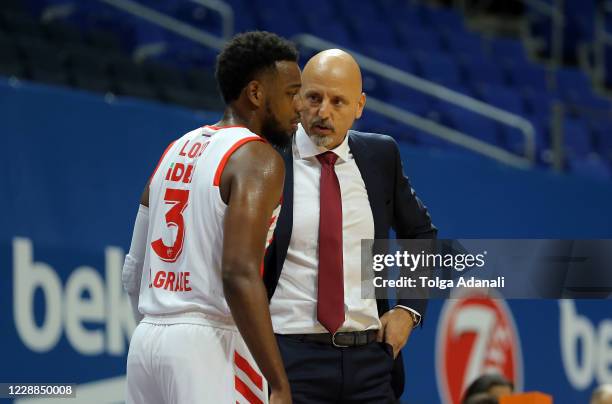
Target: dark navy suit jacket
<point>393,203</point>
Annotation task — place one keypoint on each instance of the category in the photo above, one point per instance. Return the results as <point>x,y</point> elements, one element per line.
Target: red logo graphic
<point>476,335</point>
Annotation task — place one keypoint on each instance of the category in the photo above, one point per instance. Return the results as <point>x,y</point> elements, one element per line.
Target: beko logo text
<point>595,359</point>
<point>66,308</point>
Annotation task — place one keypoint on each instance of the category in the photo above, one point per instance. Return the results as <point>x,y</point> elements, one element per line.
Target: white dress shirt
<point>294,304</point>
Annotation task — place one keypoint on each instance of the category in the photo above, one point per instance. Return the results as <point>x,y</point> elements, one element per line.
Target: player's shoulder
<point>256,162</point>
<point>259,153</point>
<point>248,144</point>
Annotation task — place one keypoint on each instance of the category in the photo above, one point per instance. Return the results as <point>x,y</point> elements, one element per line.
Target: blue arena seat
<point>508,51</point>
<point>458,42</point>
<point>372,31</point>
<point>503,97</point>
<point>593,166</point>
<point>393,56</point>
<point>483,72</point>
<point>419,39</point>
<point>439,67</point>
<point>472,124</point>
<point>577,138</point>
<point>539,104</point>
<point>530,77</point>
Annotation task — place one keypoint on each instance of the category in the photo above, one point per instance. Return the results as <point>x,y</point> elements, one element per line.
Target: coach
<point>341,186</point>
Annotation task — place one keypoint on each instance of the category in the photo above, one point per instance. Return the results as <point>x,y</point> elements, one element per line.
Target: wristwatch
<point>416,319</point>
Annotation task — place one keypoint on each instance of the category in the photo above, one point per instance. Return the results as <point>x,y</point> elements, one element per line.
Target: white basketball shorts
<point>190,359</point>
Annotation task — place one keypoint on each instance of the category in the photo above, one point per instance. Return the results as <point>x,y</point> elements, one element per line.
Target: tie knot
<point>328,158</point>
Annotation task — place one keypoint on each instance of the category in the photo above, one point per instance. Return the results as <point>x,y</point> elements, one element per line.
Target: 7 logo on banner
<point>476,335</point>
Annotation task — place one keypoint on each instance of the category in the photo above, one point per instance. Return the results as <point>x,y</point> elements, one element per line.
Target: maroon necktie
<point>330,299</point>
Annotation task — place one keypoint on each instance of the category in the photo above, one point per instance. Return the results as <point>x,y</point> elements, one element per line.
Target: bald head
<point>332,96</point>
<point>336,67</point>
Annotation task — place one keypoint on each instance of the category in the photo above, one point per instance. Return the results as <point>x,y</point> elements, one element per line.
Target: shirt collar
<point>307,148</point>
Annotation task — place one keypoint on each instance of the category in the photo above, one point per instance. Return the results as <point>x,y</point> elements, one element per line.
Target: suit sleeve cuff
<point>417,315</point>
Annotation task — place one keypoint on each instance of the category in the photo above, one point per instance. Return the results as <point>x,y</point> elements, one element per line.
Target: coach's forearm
<point>248,302</point>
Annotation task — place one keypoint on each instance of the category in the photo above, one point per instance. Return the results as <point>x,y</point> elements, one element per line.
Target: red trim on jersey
<point>228,154</point>
<point>246,392</point>
<point>224,127</point>
<point>160,159</point>
<point>233,126</point>
<point>246,367</point>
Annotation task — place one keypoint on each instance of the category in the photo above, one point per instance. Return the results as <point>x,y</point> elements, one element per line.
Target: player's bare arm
<point>251,185</point>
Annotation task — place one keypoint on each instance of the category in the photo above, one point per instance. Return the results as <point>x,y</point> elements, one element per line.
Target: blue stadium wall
<point>75,164</point>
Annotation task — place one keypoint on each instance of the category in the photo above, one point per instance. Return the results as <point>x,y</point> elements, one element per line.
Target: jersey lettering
<point>172,281</point>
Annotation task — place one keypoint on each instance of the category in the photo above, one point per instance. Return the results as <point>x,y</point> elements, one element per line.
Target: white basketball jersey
<point>182,267</point>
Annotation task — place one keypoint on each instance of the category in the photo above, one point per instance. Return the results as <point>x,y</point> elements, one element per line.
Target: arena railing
<point>435,90</point>
<point>225,10</point>
<point>562,110</point>
<point>169,23</point>
<point>401,77</point>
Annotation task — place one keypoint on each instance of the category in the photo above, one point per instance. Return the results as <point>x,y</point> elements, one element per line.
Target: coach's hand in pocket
<point>396,326</point>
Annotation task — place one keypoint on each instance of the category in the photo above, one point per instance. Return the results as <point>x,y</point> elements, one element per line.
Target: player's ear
<point>254,92</point>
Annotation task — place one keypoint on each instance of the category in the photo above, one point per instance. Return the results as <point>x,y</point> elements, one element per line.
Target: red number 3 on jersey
<point>174,217</point>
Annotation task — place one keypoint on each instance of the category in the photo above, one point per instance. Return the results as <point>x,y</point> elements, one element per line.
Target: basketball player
<point>193,269</point>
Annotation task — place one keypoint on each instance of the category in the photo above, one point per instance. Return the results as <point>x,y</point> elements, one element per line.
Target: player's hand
<point>396,326</point>
<point>280,396</point>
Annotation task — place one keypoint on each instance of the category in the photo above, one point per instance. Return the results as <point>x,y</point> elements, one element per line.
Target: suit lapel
<point>285,219</point>
<point>372,179</point>
<point>274,258</point>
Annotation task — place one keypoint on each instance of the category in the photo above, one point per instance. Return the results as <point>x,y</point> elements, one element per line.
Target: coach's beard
<point>319,139</point>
